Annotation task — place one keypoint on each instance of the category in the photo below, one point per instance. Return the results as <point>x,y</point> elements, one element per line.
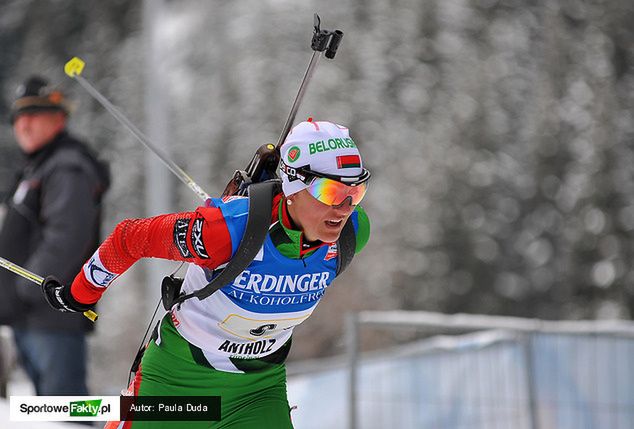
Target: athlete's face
<point>34,130</point>
<point>317,220</point>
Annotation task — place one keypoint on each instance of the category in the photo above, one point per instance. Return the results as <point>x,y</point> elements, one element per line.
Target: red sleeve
<point>200,237</point>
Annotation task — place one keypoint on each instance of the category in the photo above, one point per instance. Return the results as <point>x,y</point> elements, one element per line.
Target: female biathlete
<point>233,344</point>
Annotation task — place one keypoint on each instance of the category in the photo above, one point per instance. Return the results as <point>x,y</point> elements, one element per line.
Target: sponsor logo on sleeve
<point>97,274</point>
<point>180,237</point>
<point>197,239</point>
<point>332,252</point>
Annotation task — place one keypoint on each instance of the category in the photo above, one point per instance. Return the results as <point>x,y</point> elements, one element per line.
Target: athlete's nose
<point>345,207</point>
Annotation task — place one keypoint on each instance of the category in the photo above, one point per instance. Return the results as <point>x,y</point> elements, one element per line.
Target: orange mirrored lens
<point>334,193</point>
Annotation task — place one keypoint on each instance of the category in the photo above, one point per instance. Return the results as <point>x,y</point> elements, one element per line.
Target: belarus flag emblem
<point>349,161</point>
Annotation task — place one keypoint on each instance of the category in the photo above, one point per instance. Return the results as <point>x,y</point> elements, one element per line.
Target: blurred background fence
<point>473,372</point>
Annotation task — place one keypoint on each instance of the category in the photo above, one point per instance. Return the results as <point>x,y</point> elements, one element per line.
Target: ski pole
<point>23,272</point>
<point>73,68</point>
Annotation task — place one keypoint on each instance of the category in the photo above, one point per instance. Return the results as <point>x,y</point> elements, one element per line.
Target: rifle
<point>265,162</point>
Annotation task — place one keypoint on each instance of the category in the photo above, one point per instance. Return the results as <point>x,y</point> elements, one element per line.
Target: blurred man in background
<point>51,226</point>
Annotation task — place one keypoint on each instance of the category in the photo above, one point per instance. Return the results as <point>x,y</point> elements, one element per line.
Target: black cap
<point>36,95</point>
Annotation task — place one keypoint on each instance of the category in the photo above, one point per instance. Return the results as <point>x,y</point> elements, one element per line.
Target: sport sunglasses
<point>330,189</point>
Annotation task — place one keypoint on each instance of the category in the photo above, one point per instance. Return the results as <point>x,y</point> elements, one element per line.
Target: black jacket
<point>51,227</point>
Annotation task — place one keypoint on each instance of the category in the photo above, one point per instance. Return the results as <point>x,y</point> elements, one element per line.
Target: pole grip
<point>38,280</point>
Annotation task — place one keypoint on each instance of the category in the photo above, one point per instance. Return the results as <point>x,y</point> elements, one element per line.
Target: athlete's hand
<point>59,297</point>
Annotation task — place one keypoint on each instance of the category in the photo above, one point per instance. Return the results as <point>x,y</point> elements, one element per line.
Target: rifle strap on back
<point>346,246</point>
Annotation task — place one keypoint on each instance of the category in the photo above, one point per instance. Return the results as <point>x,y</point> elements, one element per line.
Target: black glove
<point>59,297</point>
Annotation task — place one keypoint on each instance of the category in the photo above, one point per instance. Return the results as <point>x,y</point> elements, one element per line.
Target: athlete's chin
<point>330,236</point>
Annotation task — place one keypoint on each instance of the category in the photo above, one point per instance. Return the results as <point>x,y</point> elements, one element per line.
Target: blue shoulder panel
<point>235,212</point>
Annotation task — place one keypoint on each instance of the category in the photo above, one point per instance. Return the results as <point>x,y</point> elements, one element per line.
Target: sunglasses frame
<point>306,176</point>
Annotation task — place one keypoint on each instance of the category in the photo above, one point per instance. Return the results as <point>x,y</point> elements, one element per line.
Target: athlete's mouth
<point>334,223</point>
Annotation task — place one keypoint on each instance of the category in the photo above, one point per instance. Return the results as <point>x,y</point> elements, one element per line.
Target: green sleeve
<point>363,229</point>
